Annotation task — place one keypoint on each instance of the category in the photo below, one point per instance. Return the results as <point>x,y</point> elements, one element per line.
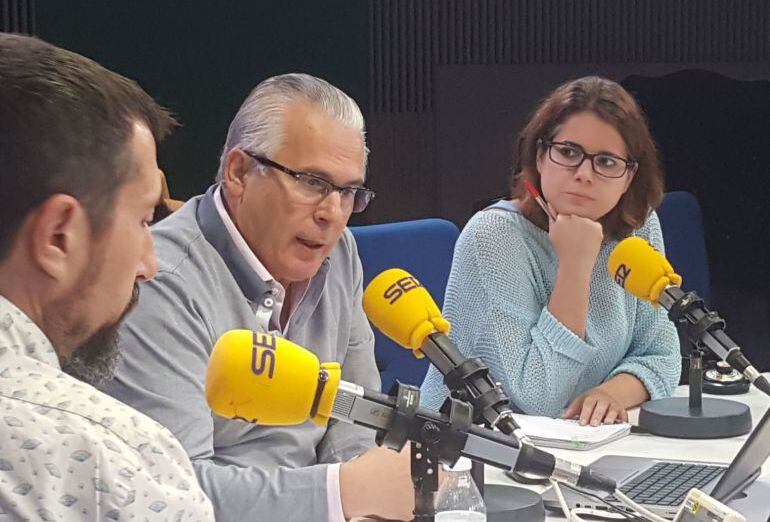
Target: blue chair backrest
<point>680,219</point>
<point>424,248</point>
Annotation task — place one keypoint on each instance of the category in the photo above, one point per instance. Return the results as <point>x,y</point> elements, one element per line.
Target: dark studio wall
<point>201,58</point>
<point>452,81</point>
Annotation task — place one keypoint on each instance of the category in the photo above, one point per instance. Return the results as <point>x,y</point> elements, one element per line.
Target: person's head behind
<point>595,116</point>
<point>291,126</point>
<point>80,180</point>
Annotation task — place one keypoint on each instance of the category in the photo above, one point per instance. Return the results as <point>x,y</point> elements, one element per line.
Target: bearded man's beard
<point>95,360</point>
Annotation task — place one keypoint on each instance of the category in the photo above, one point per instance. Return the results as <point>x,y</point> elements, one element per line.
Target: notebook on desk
<point>546,432</point>
<point>661,485</point>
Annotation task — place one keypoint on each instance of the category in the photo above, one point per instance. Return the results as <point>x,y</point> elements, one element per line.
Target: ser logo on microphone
<point>621,274</point>
<point>394,292</point>
<point>263,354</point>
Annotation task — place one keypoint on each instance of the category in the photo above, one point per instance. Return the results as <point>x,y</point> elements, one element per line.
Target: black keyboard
<point>667,483</point>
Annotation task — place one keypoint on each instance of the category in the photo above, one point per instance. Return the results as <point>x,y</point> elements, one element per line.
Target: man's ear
<point>59,236</point>
<point>237,166</point>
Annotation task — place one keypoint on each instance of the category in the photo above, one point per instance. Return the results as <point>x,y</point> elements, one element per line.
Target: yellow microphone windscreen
<point>643,271</point>
<point>402,309</point>
<point>261,378</point>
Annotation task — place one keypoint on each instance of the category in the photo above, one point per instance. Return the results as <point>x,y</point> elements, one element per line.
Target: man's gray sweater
<point>203,288</point>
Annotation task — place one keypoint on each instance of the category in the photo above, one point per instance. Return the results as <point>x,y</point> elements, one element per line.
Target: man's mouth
<point>311,244</point>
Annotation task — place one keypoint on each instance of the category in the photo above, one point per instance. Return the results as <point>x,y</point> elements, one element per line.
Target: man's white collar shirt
<point>277,289</point>
<point>70,452</point>
<point>273,325</point>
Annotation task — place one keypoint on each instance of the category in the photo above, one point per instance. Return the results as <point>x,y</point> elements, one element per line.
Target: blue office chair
<point>424,248</point>
<point>680,219</point>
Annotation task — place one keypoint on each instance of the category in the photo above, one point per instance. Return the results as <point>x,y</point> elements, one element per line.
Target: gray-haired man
<point>266,248</point>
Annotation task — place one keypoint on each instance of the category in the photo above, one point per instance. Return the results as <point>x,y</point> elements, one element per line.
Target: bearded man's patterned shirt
<point>71,452</point>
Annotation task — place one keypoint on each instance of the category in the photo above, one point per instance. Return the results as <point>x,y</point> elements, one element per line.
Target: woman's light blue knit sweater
<point>496,300</point>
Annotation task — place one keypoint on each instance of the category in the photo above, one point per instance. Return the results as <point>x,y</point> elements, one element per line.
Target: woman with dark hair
<point>532,296</point>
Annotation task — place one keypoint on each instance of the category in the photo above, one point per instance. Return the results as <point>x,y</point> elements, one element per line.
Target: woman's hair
<point>613,104</point>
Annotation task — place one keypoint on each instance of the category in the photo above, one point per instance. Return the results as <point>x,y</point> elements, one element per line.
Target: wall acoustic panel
<point>414,43</point>
<point>17,16</point>
<point>409,38</point>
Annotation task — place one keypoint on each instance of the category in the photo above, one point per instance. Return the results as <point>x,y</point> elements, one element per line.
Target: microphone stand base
<point>512,504</point>
<point>714,419</point>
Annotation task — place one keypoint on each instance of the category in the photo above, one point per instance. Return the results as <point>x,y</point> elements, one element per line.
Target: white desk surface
<point>714,450</point>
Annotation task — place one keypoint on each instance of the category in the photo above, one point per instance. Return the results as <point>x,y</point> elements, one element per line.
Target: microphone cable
<point>638,513</point>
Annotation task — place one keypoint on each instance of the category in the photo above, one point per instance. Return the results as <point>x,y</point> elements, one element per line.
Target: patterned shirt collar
<point>21,336</point>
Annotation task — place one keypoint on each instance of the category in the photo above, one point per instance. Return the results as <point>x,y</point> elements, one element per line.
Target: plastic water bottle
<point>458,499</point>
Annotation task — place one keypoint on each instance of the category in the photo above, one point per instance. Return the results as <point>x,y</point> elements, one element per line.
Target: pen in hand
<point>540,201</point>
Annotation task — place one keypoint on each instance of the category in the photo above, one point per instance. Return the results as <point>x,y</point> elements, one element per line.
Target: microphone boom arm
<point>707,329</point>
<point>399,418</point>
<point>468,380</point>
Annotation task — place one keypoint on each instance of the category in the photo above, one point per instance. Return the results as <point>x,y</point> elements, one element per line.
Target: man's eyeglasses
<point>572,155</point>
<point>315,188</point>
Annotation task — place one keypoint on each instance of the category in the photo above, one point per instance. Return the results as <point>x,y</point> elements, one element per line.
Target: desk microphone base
<point>512,504</point>
<point>714,419</point>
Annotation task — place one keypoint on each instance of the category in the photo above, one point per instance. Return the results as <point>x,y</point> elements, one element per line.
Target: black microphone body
<point>469,381</point>
<point>372,409</point>
<point>708,330</point>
